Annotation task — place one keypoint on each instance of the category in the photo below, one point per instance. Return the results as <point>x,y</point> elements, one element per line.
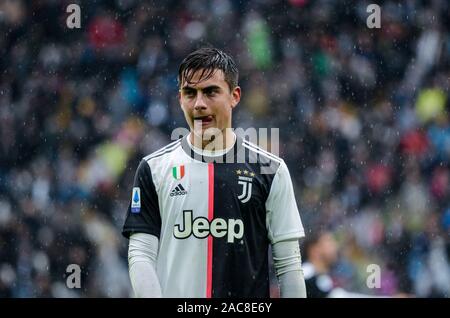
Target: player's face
<point>208,103</point>
<point>328,248</point>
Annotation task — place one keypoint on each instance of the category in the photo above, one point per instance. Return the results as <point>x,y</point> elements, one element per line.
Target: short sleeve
<point>283,218</point>
<point>143,215</point>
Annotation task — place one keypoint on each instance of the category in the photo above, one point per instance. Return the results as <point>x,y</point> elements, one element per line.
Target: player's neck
<point>223,142</point>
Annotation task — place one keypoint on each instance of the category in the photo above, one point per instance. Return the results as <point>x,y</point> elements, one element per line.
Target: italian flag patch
<point>178,172</point>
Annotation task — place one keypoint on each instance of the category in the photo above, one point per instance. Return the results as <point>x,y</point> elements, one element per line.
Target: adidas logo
<point>179,190</point>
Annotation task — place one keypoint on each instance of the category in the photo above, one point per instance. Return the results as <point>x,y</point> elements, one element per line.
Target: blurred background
<point>363,117</point>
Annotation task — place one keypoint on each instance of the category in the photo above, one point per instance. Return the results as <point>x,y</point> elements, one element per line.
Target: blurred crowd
<point>363,117</point>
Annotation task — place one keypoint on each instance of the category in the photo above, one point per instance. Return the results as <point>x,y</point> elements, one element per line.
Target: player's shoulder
<point>163,152</point>
<point>263,155</point>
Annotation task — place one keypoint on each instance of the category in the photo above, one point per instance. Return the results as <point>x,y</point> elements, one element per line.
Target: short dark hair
<point>208,59</point>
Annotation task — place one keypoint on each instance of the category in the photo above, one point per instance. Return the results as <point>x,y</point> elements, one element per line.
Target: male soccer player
<point>321,252</point>
<point>202,214</point>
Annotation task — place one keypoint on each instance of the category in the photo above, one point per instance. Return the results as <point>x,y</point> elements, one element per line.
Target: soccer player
<point>321,252</point>
<point>205,208</point>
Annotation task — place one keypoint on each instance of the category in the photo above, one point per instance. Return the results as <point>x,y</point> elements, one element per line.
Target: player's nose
<point>200,102</point>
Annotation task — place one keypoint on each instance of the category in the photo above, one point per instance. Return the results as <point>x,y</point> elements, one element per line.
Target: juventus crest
<point>246,181</point>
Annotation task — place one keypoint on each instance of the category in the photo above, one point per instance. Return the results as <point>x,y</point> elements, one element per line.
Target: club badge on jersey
<point>136,200</point>
<point>246,183</point>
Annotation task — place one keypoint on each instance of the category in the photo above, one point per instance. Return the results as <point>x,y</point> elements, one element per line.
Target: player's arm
<point>143,227</point>
<point>142,254</point>
<point>288,267</point>
<point>284,230</point>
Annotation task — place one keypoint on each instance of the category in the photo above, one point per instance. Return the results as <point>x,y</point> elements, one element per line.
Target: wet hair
<point>208,60</point>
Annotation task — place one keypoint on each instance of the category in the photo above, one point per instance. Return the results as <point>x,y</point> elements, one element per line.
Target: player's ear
<point>236,96</point>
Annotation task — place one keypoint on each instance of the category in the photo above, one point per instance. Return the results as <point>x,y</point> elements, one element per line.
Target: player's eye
<point>189,93</point>
<point>210,92</point>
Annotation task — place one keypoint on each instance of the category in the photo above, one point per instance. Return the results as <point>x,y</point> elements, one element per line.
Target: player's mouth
<point>205,120</point>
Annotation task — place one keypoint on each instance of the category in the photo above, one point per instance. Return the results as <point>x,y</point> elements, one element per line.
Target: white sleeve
<point>142,254</point>
<point>288,267</point>
<point>282,218</point>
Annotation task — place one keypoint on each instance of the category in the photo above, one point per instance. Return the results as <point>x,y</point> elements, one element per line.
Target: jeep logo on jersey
<point>200,227</point>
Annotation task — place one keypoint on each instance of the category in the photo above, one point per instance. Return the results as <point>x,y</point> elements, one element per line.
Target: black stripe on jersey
<point>240,267</point>
<point>159,154</point>
<point>251,146</point>
<point>163,150</point>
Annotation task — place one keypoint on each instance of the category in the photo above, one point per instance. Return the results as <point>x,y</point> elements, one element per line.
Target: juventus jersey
<point>215,217</point>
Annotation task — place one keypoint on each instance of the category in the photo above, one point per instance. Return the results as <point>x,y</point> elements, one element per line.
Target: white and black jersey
<point>214,219</point>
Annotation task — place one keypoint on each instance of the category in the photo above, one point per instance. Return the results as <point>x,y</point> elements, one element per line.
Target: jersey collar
<point>208,155</point>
